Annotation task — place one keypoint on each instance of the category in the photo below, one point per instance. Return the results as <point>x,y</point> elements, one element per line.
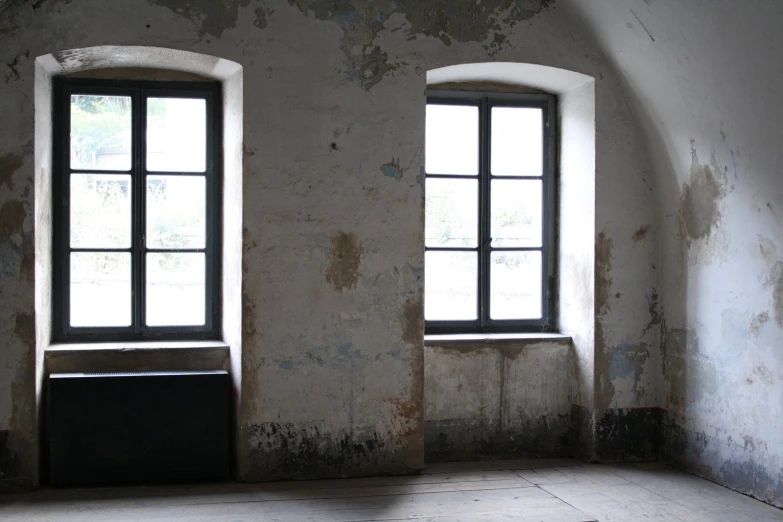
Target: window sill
<point>137,356</point>
<point>495,338</point>
<point>137,345</point>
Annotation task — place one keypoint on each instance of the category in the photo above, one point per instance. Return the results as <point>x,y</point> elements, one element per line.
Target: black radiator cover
<point>138,428</point>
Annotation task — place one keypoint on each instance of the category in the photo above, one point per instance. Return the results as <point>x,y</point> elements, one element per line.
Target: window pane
<point>450,286</point>
<point>100,211</point>
<point>517,213</point>
<point>517,142</point>
<point>176,211</point>
<point>451,141</point>
<point>176,135</point>
<point>451,212</point>
<point>100,132</point>
<point>175,289</point>
<point>515,285</point>
<point>100,289</point>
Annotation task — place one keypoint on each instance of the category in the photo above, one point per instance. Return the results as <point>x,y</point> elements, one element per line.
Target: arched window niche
<point>575,214</point>
<point>145,63</point>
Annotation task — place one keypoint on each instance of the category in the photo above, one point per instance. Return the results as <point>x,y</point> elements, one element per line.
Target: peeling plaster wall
<point>333,354</point>
<point>706,79</point>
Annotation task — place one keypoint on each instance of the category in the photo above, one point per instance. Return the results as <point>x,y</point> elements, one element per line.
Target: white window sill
<point>496,338</point>
<point>137,356</point>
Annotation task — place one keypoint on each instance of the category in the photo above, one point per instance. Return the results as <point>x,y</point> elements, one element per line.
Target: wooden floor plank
<point>516,502</point>
<point>490,465</point>
<point>567,491</point>
<point>698,493</point>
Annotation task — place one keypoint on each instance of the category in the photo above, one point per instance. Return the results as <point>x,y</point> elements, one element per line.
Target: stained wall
<point>333,362</point>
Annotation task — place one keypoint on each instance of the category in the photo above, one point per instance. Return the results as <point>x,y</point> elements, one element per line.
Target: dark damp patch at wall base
<point>581,433</point>
<point>738,466</point>
<point>459,440</point>
<point>10,465</point>
<point>627,435</point>
<point>283,451</point>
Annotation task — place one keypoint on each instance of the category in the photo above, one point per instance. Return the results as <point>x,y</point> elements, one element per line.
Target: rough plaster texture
<point>497,398</point>
<point>332,350</point>
<point>704,80</point>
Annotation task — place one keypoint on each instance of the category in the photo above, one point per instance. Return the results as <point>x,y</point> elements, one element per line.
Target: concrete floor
<point>527,490</point>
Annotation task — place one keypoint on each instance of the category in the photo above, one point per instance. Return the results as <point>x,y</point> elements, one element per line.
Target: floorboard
<point>528,490</point>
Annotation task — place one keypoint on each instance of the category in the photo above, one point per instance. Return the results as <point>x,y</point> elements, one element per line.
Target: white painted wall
<point>705,80</point>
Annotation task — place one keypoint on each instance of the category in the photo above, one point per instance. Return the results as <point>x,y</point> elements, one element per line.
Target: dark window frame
<point>139,91</point>
<point>484,101</point>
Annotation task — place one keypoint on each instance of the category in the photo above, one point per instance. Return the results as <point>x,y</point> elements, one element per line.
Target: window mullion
<point>137,247</point>
<point>484,213</point>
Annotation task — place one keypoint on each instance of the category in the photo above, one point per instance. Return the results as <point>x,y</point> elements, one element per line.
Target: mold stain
<point>413,322</point>
<point>24,329</point>
<point>12,216</point>
<point>653,308</point>
<point>9,164</point>
<point>262,16</point>
<point>758,323</point>
<point>641,233</point>
<point>700,200</point>
<point>213,17</point>
<point>777,300</point>
<point>603,267</point>
<point>13,67</point>
<point>363,20</point>
<point>345,258</point>
<point>249,308</point>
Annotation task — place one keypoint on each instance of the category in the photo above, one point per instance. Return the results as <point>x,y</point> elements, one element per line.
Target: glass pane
<point>451,141</point>
<point>176,211</point>
<point>451,212</point>
<point>100,132</point>
<point>176,289</point>
<point>450,286</point>
<point>100,211</point>
<point>517,142</point>
<point>517,211</point>
<point>100,289</point>
<point>176,135</point>
<point>515,285</point>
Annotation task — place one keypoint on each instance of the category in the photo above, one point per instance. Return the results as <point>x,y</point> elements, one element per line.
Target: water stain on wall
<point>9,164</point>
<point>344,261</point>
<point>641,233</point>
<point>700,200</point>
<point>213,17</point>
<point>262,16</point>
<point>363,20</point>
<point>413,321</point>
<point>12,216</point>
<point>758,323</point>
<point>689,374</point>
<point>603,267</point>
<point>777,300</point>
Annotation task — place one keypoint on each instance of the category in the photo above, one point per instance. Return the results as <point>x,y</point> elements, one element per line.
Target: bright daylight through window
<point>489,223</point>
<point>136,203</point>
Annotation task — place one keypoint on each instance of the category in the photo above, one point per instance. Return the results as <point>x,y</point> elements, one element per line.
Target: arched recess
<point>575,305</point>
<point>146,356</point>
